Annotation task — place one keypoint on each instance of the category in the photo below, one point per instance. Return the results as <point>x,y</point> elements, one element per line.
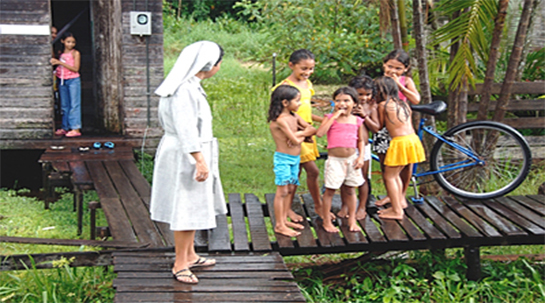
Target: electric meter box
<point>141,23</point>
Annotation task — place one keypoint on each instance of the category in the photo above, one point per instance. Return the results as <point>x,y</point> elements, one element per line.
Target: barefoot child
<point>284,126</point>
<point>405,148</point>
<point>396,65</point>
<point>367,109</point>
<point>345,133</point>
<point>302,63</point>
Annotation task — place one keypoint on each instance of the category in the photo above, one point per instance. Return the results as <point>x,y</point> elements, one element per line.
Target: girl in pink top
<point>345,134</point>
<point>69,87</point>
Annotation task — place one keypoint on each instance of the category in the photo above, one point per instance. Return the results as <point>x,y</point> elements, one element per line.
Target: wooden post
<point>93,205</point>
<point>473,262</point>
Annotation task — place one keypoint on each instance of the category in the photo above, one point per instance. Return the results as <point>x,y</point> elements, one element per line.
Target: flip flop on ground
<point>185,276</point>
<point>202,262</point>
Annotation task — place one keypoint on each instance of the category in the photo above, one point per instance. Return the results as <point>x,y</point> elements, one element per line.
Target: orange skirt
<point>405,150</point>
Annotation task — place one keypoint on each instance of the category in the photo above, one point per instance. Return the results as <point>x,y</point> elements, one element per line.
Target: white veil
<point>196,57</point>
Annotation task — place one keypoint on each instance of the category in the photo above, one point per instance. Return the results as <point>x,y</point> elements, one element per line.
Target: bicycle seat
<point>434,108</point>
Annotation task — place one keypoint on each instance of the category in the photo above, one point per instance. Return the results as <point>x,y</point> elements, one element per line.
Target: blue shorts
<point>286,169</point>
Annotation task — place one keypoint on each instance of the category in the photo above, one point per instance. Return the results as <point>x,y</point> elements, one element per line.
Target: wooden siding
<point>133,49</point>
<point>26,96</point>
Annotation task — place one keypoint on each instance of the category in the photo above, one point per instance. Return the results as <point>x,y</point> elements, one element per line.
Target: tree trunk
<point>403,24</point>
<point>425,90</point>
<point>179,12</point>
<point>492,60</point>
<point>394,20</point>
<point>514,60</point>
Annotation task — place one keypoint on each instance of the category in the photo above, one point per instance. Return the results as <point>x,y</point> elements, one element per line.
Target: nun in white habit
<point>187,191</point>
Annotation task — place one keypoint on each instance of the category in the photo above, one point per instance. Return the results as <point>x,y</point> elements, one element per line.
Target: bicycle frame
<point>474,160</point>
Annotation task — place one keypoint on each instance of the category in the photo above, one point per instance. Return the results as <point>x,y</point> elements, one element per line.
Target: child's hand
<point>358,110</point>
<point>54,61</point>
<point>358,163</point>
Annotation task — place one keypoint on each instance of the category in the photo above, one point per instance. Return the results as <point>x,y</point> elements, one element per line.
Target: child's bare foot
<point>283,230</point>
<point>354,227</point>
<point>404,204</point>
<point>383,201</point>
<point>294,217</point>
<point>294,225</point>
<point>330,228</point>
<point>390,214</point>
<point>332,216</point>
<point>361,214</point>
<point>343,213</point>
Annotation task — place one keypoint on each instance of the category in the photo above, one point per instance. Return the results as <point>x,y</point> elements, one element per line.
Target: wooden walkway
<point>146,277</point>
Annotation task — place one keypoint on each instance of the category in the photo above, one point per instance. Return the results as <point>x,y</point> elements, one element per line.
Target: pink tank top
<point>64,73</point>
<point>343,134</point>
<point>400,94</point>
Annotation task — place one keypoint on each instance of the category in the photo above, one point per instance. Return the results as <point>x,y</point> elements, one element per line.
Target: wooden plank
<point>535,87</point>
<point>72,242</point>
<point>221,266</point>
<point>134,206</point>
<point>326,239</point>
<point>62,167</point>
<point>425,225</point>
<point>225,297</point>
<point>256,222</point>
<point>80,175</point>
<point>283,241</point>
<point>238,223</point>
<point>438,221</point>
<point>270,275</point>
<point>369,227</point>
<point>516,218</point>
<point>513,105</point>
<point>481,225</point>
<point>521,210</point>
<point>391,229</point>
<point>461,225</point>
<point>350,236</point>
<point>218,238</point>
<point>120,227</point>
<point>526,122</point>
<point>503,225</point>
<point>538,198</point>
<point>306,238</point>
<point>88,156</point>
<point>167,257</point>
<point>530,203</point>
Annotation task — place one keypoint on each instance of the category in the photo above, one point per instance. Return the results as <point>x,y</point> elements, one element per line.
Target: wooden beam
<point>70,242</point>
<point>536,87</point>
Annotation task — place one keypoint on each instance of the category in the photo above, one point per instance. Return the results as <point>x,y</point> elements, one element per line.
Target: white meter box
<point>141,23</point>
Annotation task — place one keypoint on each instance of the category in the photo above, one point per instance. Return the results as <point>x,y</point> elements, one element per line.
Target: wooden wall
<point>26,93</point>
<point>133,50</point>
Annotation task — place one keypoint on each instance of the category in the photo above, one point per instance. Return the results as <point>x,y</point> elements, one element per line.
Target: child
<point>284,126</point>
<point>70,87</point>
<point>367,109</point>
<point>345,133</point>
<point>405,148</point>
<point>302,64</point>
<point>396,64</point>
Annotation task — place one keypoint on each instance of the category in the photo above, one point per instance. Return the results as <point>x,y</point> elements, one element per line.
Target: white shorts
<point>367,155</point>
<point>339,171</point>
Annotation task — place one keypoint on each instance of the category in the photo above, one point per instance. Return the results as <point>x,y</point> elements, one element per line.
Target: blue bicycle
<point>474,160</point>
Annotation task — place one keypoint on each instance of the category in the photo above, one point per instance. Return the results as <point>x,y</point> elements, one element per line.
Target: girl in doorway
<point>69,87</point>
<point>345,133</point>
<point>405,146</point>
<point>396,65</point>
<point>302,63</point>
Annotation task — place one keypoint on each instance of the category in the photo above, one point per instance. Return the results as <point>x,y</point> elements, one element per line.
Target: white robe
<point>176,197</point>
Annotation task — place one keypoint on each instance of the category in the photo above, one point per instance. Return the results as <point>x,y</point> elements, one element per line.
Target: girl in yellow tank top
<point>302,64</point>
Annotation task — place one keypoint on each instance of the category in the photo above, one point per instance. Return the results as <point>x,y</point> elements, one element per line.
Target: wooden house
<point>119,69</point>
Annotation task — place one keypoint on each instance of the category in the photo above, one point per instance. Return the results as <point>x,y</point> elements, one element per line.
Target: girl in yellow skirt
<point>405,148</point>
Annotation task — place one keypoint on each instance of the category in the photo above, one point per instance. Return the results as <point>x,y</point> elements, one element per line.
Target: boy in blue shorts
<point>288,130</point>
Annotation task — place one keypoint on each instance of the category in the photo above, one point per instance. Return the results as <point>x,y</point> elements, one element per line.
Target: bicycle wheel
<point>504,153</point>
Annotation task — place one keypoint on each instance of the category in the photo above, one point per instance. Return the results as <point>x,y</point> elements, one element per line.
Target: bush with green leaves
<point>344,35</point>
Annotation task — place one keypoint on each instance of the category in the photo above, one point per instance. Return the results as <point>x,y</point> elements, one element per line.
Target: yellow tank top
<point>305,110</point>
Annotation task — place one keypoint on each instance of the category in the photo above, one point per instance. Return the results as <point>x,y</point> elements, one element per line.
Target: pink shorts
<point>339,171</point>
